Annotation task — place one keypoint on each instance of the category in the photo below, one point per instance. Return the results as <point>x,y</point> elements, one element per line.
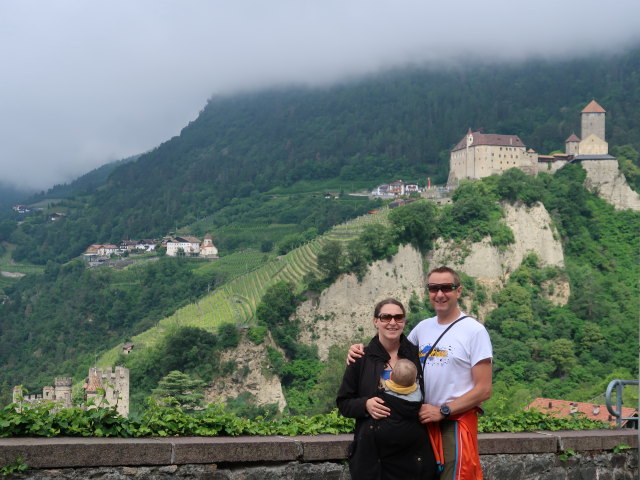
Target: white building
<point>183,247</point>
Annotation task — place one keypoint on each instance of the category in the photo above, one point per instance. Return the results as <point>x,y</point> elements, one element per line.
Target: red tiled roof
<point>93,384</point>
<point>185,239</point>
<point>593,107</point>
<point>564,408</point>
<point>489,139</point>
<point>572,138</point>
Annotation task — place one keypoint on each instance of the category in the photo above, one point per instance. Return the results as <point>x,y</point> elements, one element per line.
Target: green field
<point>8,265</point>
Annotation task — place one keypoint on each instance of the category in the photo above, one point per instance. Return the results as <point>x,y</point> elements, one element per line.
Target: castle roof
<point>603,156</point>
<point>93,384</point>
<point>489,139</point>
<point>593,107</point>
<point>572,138</point>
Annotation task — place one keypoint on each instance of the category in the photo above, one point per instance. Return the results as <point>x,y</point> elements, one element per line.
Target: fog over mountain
<point>86,83</point>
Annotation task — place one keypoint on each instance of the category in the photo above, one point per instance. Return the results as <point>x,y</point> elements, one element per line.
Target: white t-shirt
<point>447,374</point>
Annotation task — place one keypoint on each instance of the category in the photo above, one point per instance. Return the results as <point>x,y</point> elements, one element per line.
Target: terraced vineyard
<point>236,301</point>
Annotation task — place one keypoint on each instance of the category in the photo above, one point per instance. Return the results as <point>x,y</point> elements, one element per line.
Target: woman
<point>388,444</point>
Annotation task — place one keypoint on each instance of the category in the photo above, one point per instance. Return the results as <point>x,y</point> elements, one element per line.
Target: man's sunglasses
<point>386,317</point>
<point>444,287</point>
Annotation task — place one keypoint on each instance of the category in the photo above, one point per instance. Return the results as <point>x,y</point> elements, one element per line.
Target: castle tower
<point>571,145</point>
<point>62,391</point>
<point>593,120</point>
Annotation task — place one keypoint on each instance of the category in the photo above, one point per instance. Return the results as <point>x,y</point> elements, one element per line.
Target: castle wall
<point>593,145</point>
<point>484,160</point>
<point>550,167</point>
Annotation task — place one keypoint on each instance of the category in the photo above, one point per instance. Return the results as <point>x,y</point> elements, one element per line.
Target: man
<point>457,376</point>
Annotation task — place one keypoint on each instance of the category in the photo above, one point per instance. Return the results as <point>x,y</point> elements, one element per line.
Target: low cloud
<point>84,83</point>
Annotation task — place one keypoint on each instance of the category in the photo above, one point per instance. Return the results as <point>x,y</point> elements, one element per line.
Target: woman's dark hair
<point>387,301</point>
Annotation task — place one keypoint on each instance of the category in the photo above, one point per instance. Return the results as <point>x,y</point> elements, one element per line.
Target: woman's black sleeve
<point>350,401</point>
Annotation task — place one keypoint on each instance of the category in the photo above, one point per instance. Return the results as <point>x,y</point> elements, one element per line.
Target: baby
<point>402,383</point>
<point>400,435</point>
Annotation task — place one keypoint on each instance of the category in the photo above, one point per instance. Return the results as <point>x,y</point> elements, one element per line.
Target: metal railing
<point>618,385</point>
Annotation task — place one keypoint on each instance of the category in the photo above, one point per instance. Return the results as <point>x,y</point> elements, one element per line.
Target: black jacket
<point>396,447</point>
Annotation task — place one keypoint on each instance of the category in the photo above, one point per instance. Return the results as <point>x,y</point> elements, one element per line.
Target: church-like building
<point>479,155</point>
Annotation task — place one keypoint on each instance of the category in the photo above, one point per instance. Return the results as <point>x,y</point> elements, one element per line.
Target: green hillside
<point>399,124</point>
<point>236,301</point>
<point>252,170</point>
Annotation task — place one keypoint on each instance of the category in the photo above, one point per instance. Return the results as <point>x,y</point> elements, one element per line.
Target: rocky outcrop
<point>251,374</point>
<point>343,313</point>
<point>606,180</point>
<point>533,232</point>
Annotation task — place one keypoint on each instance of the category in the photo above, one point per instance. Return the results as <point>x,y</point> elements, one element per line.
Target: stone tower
<point>62,391</point>
<point>115,384</point>
<point>572,145</point>
<point>593,120</point>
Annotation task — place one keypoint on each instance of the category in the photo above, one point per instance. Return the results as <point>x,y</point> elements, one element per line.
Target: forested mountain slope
<point>394,125</point>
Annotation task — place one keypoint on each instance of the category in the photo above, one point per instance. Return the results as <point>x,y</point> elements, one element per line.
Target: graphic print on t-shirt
<point>439,357</point>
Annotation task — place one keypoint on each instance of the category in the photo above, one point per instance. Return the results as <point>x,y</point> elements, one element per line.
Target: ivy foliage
<point>215,420</point>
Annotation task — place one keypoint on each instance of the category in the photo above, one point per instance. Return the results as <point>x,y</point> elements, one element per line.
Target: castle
<point>109,388</point>
<point>480,155</point>
<point>60,393</point>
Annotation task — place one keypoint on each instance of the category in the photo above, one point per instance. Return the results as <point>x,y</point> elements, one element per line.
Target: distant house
<point>208,249</point>
<point>185,246</point>
<point>395,189</point>
<point>127,347</point>
<point>21,209</point>
<point>593,411</point>
<point>146,244</point>
<point>382,191</point>
<point>107,249</point>
<point>128,245</point>
<point>56,216</point>
<point>93,249</point>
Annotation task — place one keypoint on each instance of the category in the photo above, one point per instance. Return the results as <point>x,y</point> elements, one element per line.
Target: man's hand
<point>355,351</point>
<point>375,407</point>
<point>429,413</point>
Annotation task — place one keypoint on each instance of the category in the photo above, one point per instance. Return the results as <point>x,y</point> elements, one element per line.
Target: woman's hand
<point>375,407</point>
<point>355,351</point>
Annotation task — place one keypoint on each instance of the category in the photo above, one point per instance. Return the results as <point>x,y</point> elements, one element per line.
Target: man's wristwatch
<point>445,410</point>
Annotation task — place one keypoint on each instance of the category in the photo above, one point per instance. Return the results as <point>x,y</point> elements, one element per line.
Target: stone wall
<point>514,456</point>
<point>609,183</point>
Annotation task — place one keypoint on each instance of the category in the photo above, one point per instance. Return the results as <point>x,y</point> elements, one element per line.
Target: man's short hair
<point>443,269</point>
<point>404,372</point>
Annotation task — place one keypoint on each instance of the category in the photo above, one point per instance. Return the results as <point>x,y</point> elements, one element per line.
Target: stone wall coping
<point>67,452</point>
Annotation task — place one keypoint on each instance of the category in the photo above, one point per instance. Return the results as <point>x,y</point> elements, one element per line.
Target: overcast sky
<point>85,82</point>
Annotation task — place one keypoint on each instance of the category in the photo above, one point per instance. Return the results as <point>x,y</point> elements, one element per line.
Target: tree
<point>562,355</point>
<point>415,224</point>
<point>330,259</point>
<point>179,389</point>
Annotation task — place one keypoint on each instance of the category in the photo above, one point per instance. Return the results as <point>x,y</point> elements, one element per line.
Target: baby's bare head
<point>404,373</point>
